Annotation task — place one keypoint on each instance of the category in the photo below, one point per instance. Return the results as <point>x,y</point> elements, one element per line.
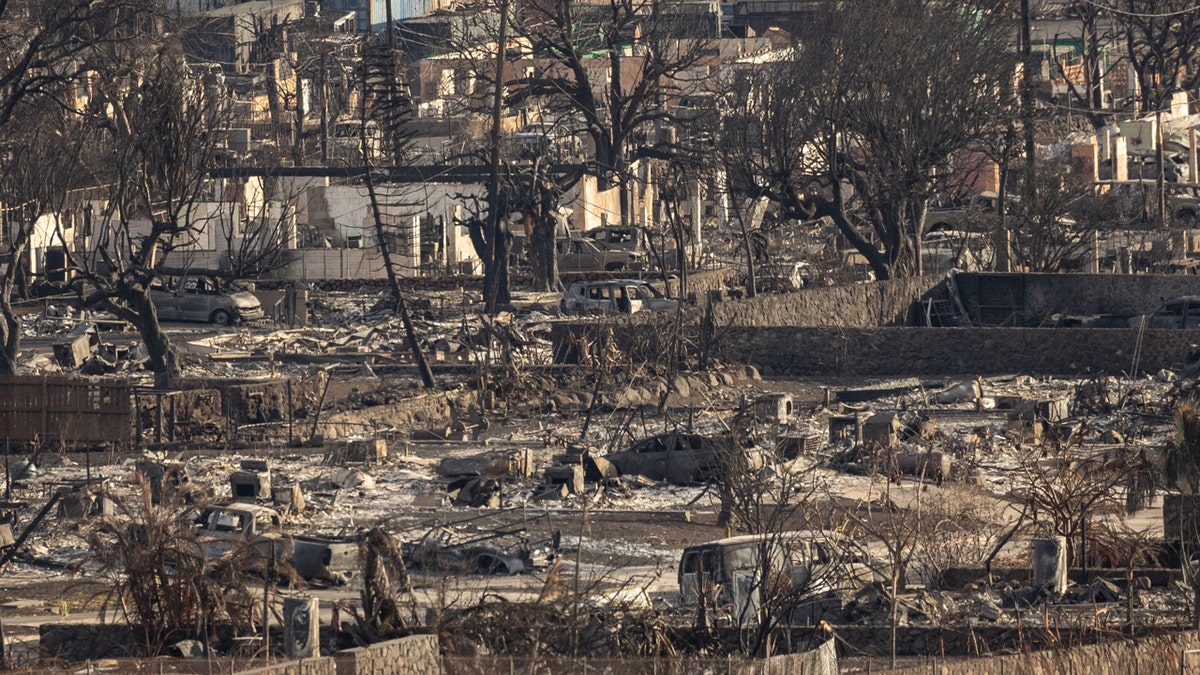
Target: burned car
<point>683,459</point>
<point>483,555</point>
<point>203,298</point>
<point>622,296</point>
<point>1181,312</point>
<point>617,237</point>
<point>577,254</point>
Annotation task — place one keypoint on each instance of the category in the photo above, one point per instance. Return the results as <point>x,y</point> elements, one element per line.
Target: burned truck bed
<point>227,528</point>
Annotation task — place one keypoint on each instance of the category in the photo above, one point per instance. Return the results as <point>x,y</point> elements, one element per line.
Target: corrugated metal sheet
<point>49,409</point>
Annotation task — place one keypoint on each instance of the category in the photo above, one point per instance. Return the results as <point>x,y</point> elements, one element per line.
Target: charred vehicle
<point>228,528</point>
<point>505,552</point>
<point>202,298</point>
<point>620,296</point>
<point>816,565</point>
<point>681,458</point>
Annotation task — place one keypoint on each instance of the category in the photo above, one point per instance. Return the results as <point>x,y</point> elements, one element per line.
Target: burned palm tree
<point>386,612</point>
<point>1181,470</point>
<point>387,106</point>
<point>161,579</point>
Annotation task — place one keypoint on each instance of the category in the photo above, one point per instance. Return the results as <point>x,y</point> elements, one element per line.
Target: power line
<point>1144,15</point>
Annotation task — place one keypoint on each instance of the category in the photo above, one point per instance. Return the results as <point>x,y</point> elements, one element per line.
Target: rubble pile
<point>498,495</point>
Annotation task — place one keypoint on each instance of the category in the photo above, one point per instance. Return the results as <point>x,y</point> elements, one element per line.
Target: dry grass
<point>159,579</point>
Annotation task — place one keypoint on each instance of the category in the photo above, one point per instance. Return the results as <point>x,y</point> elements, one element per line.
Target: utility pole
<point>323,85</point>
<point>391,28</point>
<point>496,248</point>
<point>1027,98</point>
<point>1159,159</point>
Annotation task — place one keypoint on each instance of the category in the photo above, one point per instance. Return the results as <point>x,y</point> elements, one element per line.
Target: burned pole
<point>497,244</point>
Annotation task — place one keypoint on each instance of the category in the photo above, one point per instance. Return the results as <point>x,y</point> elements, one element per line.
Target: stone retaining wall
<point>80,642</point>
<point>413,655</point>
<point>942,351</point>
<point>318,666</point>
<point>424,409</point>
<point>883,303</point>
<point>1149,656</point>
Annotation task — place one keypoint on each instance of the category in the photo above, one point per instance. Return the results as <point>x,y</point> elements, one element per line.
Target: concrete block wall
<point>334,263</point>
<point>944,351</point>
<point>412,655</point>
<point>1149,656</point>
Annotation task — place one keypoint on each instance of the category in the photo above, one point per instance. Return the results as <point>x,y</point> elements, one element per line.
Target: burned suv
<point>621,296</point>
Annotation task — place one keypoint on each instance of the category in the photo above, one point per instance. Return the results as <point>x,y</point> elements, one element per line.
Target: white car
<point>618,296</point>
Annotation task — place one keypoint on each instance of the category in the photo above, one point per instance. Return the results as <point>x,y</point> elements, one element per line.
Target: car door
<point>598,297</point>
<point>166,302</point>
<point>195,299</point>
<point>634,299</point>
<point>572,256</point>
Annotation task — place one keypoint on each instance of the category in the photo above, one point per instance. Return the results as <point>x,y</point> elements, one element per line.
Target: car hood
<point>244,300</point>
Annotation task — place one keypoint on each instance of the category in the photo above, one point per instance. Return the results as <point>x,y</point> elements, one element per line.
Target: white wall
<point>348,209</point>
<point>45,234</point>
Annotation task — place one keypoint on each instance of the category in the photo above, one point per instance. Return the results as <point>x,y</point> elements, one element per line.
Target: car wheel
<point>221,318</point>
<point>487,564</point>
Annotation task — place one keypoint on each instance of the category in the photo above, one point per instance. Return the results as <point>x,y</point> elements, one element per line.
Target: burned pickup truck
<point>228,528</point>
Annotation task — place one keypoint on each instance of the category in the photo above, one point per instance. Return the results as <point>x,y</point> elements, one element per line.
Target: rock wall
<point>820,661</point>
<point>413,655</point>
<point>1149,656</point>
<point>699,283</point>
<point>318,666</point>
<point>883,303</point>
<point>1078,294</point>
<point>943,351</point>
<point>429,409</point>
<point>80,642</point>
<point>200,400</point>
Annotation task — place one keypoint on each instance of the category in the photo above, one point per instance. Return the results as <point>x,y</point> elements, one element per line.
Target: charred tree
<point>156,147</point>
<point>386,102</point>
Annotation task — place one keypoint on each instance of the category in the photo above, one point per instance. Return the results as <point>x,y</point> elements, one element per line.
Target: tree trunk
<point>543,255</point>
<point>493,248</point>
<point>158,345</point>
<point>1195,606</point>
<point>10,338</point>
<point>495,278</point>
<point>1027,100</point>
<point>410,336</point>
<point>10,327</point>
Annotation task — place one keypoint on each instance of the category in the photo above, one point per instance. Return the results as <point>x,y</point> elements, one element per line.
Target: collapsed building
<point>957,388</point>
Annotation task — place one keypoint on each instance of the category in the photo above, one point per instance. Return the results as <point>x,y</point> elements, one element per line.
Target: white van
<point>728,569</point>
